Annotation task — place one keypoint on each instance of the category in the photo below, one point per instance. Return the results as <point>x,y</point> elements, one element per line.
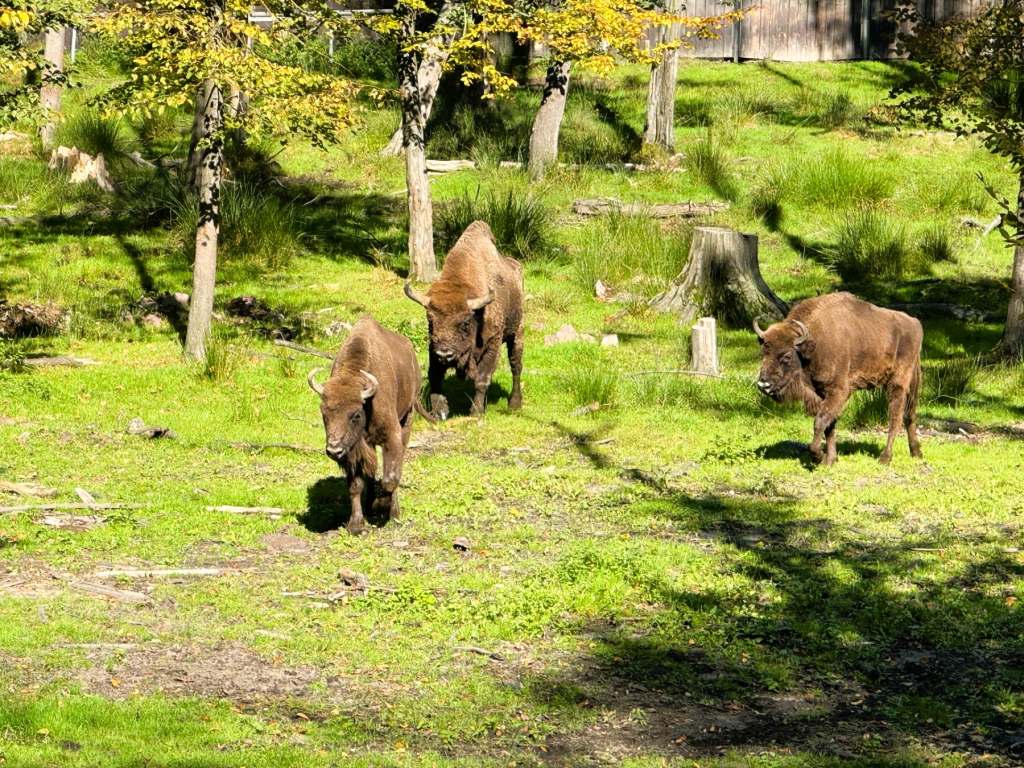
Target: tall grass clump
<point>835,180</point>
<point>521,221</point>
<point>589,379</point>
<point>870,246</point>
<point>257,229</point>
<point>20,179</point>
<point>708,161</point>
<point>835,109</point>
<point>93,133</point>
<point>633,254</point>
<point>221,360</point>
<point>868,408</point>
<point>936,243</point>
<point>949,380</point>
<point>768,194</point>
<point>956,193</point>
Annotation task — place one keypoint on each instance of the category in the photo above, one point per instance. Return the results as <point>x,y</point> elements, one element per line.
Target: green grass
<point>663,581</point>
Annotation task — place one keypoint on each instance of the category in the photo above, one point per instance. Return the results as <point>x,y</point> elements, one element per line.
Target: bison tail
<point>424,412</point>
<point>913,392</point>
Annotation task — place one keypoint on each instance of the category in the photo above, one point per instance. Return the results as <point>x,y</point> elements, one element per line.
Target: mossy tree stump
<point>721,279</point>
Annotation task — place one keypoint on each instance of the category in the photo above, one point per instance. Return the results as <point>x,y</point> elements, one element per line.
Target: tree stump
<point>721,279</point>
<point>704,346</point>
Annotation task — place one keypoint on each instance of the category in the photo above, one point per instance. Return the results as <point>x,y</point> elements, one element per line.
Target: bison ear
<point>483,301</point>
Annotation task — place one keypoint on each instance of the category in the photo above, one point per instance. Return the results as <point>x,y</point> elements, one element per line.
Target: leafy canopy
<point>175,45</point>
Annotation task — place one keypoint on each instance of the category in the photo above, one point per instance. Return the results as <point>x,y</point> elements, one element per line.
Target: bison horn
<point>311,378</point>
<point>475,304</point>
<point>757,329</point>
<point>366,394</point>
<point>415,295</point>
<point>804,333</point>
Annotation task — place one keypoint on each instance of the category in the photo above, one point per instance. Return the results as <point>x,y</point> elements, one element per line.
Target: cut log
<point>272,512</point>
<point>124,595</point>
<point>448,166</point>
<point>721,279</point>
<point>704,346</point>
<point>57,360</point>
<point>158,573</point>
<point>62,505</point>
<point>605,206</point>
<point>300,348</point>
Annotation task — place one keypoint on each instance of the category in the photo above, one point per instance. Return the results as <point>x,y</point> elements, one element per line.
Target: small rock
<point>182,299</point>
<point>567,334</point>
<point>337,328</point>
<point>610,340</point>
<point>353,579</point>
<point>138,427</point>
<point>153,320</point>
<point>601,291</point>
<point>461,544</point>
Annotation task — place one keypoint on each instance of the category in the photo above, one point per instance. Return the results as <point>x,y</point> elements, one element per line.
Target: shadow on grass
<point>876,651</point>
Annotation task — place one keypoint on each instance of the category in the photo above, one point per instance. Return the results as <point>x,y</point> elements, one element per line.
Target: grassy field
<point>663,581</point>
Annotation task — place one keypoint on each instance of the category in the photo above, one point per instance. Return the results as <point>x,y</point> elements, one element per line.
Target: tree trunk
<point>193,165</point>
<point>548,122</point>
<point>422,262</point>
<point>428,76</point>
<point>1012,343</point>
<point>210,164</point>
<point>50,92</point>
<point>721,279</point>
<point>659,129</point>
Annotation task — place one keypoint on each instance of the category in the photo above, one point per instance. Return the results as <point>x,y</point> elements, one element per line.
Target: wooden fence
<point>813,30</point>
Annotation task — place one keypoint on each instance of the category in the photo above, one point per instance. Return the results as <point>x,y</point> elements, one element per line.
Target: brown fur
<point>355,427</point>
<point>470,341</point>
<point>851,345</point>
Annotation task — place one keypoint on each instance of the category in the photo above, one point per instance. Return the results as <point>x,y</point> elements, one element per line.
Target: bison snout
<point>336,452</point>
<point>764,386</point>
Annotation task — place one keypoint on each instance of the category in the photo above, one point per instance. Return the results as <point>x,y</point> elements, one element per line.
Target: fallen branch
<point>27,489</point>
<point>160,573</point>
<point>300,348</point>
<point>64,505</point>
<point>604,206</point>
<point>52,362</point>
<point>448,166</point>
<point>273,512</point>
<point>260,447</point>
<point>680,372</point>
<point>124,595</point>
<point>480,652</point>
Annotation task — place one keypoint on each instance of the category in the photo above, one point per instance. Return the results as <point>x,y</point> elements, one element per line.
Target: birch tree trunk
<point>422,262</point>
<point>50,92</point>
<point>199,126</point>
<point>548,122</point>
<point>1012,343</point>
<point>429,79</point>
<point>659,129</point>
<point>209,150</point>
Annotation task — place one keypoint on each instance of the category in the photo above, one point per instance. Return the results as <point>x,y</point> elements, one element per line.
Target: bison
<point>832,345</point>
<point>474,306</point>
<point>367,401</point>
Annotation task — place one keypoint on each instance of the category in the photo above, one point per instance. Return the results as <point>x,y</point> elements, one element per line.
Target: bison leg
<point>910,417</point>
<point>484,371</point>
<point>515,361</point>
<point>435,375</point>
<point>825,422</point>
<point>356,521</point>
<point>830,445</point>
<point>897,404</point>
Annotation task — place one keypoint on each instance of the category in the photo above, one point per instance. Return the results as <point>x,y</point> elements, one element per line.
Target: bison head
<point>784,347</point>
<point>453,319</point>
<point>343,407</point>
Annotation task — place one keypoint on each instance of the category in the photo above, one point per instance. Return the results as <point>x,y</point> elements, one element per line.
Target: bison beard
<point>368,401</point>
<point>474,307</point>
<point>830,346</point>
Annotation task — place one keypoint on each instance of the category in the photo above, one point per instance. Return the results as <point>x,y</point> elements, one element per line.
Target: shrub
<point>950,379</point>
<point>709,163</point>
<point>95,134</point>
<point>935,243</point>
<point>870,245</point>
<point>520,221</point>
<point>631,253</point>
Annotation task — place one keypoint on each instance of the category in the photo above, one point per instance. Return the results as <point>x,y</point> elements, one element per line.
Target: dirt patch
<point>286,543</point>
<point>225,672</point>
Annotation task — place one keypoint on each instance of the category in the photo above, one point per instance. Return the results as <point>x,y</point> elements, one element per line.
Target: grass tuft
<point>521,222</point>
<point>93,133</point>
<point>708,161</point>
<point>936,243</point>
<point>590,379</point>
<point>870,246</point>
<point>949,380</point>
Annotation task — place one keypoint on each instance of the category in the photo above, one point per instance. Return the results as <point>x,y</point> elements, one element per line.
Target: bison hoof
<point>885,458</point>
<point>389,484</point>
<point>356,527</point>
<point>816,455</point>
<point>515,402</point>
<point>439,407</point>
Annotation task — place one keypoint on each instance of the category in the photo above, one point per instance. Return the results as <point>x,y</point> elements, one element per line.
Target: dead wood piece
<point>124,595</point>
<point>161,573</point>
<point>59,360</point>
<point>73,522</point>
<point>605,206</point>
<point>138,427</point>
<point>300,348</point>
<point>585,409</point>
<point>944,309</point>
<point>448,166</point>
<point>260,447</point>
<point>494,655</point>
<point>273,512</point>
<point>27,489</point>
<point>64,505</point>
<point>676,371</point>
